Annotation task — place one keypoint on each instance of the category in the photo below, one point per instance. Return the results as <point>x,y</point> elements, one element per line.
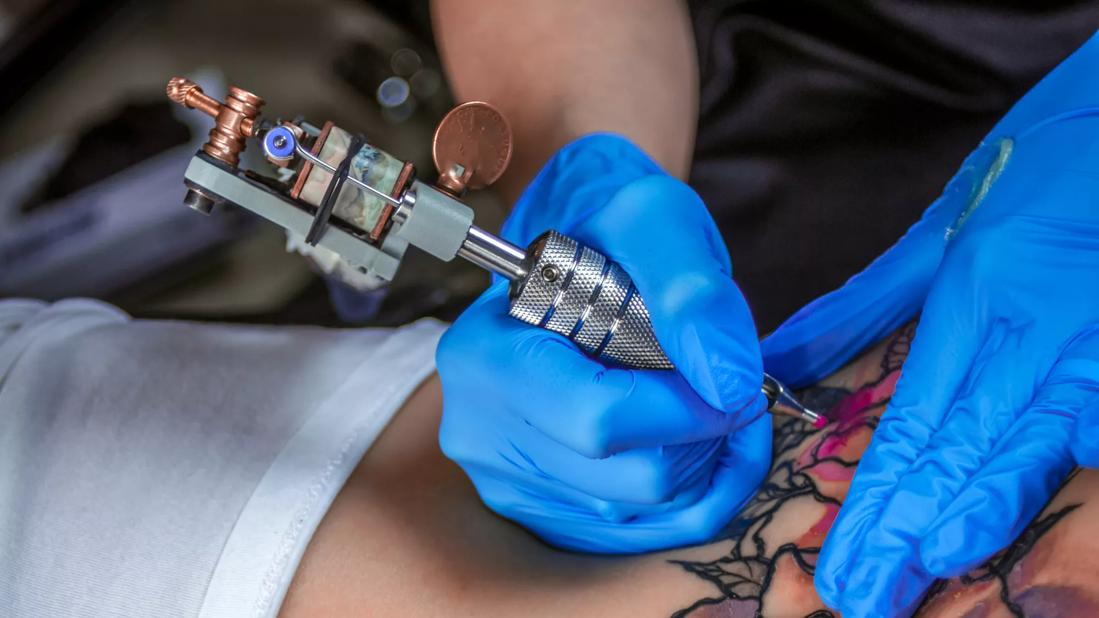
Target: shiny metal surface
<point>567,292</point>
<point>235,188</point>
<point>493,253</point>
<point>780,401</point>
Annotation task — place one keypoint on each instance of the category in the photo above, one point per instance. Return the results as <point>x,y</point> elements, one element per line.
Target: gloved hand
<point>1085,443</point>
<point>998,397</point>
<point>604,459</point>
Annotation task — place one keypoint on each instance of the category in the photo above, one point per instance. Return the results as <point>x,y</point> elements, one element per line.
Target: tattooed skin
<point>767,571</point>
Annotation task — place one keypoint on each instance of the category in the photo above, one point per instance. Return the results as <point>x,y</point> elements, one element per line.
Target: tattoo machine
<point>344,195</point>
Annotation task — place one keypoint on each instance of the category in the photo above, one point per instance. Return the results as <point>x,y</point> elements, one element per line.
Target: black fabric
<point>826,127</point>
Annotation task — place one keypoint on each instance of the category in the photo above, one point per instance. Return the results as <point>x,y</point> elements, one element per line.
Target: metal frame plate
<point>241,191</point>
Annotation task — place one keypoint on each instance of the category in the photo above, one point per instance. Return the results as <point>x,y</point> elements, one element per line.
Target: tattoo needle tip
<point>780,401</point>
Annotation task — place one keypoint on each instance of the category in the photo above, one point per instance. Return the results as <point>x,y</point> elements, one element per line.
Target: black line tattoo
<point>742,577</point>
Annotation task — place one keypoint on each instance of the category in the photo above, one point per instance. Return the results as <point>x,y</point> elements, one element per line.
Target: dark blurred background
<point>92,153</point>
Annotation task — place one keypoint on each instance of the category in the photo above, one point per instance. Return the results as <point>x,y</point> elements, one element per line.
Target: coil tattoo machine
<point>345,196</point>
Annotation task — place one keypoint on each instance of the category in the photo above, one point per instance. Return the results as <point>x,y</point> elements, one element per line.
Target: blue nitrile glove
<point>603,459</point>
<point>1085,443</point>
<point>1000,389</point>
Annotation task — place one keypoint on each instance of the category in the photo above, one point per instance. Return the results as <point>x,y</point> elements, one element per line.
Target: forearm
<point>559,70</point>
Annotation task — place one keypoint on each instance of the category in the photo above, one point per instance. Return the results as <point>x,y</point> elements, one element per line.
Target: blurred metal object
<point>471,147</point>
<point>234,120</point>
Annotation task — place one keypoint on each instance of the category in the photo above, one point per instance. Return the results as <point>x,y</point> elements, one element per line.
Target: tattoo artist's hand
<point>604,459</point>
<point>999,397</point>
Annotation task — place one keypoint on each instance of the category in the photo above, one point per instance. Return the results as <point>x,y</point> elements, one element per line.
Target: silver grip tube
<point>577,292</point>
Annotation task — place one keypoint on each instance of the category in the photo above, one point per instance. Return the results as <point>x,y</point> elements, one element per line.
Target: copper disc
<point>476,136</point>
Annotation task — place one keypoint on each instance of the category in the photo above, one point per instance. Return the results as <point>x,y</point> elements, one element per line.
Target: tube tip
<point>780,401</point>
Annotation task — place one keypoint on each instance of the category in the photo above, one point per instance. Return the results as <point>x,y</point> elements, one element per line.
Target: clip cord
<point>332,192</point>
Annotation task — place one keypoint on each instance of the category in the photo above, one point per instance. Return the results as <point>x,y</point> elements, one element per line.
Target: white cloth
<point>178,469</point>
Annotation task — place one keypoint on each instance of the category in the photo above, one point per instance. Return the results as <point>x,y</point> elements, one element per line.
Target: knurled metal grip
<point>577,292</point>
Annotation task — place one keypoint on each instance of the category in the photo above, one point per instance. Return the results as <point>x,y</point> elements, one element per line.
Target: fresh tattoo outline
<point>744,574</point>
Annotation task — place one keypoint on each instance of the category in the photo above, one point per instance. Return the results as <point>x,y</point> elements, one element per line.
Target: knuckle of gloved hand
<point>654,478</point>
<point>597,411</point>
<point>593,435</point>
<point>502,502</point>
<point>613,512</point>
<point>454,439</point>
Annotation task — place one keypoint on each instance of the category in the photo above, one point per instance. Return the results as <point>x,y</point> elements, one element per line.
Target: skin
<point>408,535</point>
<point>560,70</point>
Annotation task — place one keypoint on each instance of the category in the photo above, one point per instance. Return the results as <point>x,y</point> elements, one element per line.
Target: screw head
<point>550,273</point>
<point>278,144</point>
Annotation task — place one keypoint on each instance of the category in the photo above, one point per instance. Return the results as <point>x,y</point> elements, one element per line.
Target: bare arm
<point>407,535</point>
<point>561,69</point>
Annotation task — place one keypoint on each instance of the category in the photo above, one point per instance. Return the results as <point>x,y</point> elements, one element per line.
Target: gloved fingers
<point>506,442</point>
<point>496,457</point>
<point>987,460</point>
<point>734,481</point>
<point>533,500</point>
<point>1027,466</point>
<point>996,391</point>
<point>824,335</point>
<point>885,575</point>
<point>651,475</point>
<point>659,231</point>
<point>891,586</point>
<point>938,364</point>
<point>514,489</point>
<point>1004,496</point>
<point>594,410</point>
